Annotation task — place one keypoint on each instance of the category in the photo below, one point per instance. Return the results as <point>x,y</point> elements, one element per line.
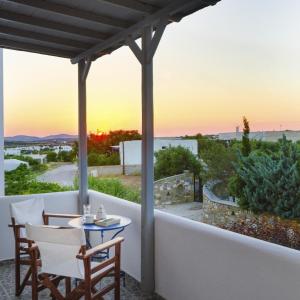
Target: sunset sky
<point>240,57</point>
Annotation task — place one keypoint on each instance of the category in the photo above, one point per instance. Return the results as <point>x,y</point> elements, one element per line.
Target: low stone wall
<point>174,189</point>
<point>271,228</point>
<point>97,171</point>
<point>220,213</point>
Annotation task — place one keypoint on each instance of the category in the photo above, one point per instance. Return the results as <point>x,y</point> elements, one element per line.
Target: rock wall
<point>174,189</point>
<point>271,228</point>
<point>220,213</point>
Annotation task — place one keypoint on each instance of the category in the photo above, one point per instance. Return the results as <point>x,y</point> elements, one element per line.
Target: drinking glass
<point>86,209</point>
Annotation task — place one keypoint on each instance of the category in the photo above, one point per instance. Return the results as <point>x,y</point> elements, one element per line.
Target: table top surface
<point>124,222</point>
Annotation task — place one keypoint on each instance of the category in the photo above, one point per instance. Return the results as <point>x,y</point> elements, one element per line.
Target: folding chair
<point>22,212</point>
<point>63,253</point>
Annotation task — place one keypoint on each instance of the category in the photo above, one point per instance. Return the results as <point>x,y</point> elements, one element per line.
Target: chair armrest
<point>100,248</point>
<point>66,216</point>
<point>16,225</point>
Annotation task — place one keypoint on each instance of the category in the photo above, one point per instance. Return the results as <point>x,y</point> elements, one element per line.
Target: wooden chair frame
<point>86,287</point>
<point>23,257</point>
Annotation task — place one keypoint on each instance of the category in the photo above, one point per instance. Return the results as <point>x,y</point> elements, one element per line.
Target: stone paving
<point>191,210</point>
<point>131,290</point>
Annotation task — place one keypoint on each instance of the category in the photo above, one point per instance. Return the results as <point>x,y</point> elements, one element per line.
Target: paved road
<point>63,175</point>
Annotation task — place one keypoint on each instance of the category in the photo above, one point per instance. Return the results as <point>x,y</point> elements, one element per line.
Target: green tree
<point>271,183</point>
<point>51,157</point>
<point>246,145</point>
<point>175,160</point>
<point>218,158</point>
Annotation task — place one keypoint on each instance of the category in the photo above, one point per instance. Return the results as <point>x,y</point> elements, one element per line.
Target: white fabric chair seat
<point>27,211</point>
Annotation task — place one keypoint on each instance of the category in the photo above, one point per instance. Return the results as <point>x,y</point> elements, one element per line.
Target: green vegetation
<point>246,145</point>
<point>114,187</point>
<point>175,160</point>
<point>95,159</point>
<point>22,181</point>
<point>264,177</point>
<point>100,151</point>
<point>62,156</point>
<point>218,158</point>
<point>271,183</point>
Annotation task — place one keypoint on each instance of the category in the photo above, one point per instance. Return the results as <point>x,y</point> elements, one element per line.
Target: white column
<point>2,185</point>
<point>82,137</point>
<point>147,220</point>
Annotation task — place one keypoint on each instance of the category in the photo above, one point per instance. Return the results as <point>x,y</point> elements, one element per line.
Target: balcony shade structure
<point>84,31</point>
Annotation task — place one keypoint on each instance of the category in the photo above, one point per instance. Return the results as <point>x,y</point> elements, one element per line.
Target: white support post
<point>147,271</point>
<point>83,68</point>
<point>2,180</point>
<point>145,57</point>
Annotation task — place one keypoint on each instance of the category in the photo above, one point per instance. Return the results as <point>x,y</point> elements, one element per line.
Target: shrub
<point>66,156</point>
<point>114,187</point>
<point>95,159</point>
<point>175,160</point>
<point>270,183</point>
<point>22,181</point>
<point>51,156</point>
<point>269,228</point>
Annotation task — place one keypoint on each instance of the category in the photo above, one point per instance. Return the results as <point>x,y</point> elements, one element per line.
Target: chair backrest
<point>58,249</point>
<point>28,211</point>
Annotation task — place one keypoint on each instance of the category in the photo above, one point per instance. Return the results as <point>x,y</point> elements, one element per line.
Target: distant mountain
<point>60,137</point>
<point>22,138</point>
<point>32,139</point>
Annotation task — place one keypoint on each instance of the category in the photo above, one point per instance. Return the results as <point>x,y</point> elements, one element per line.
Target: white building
<point>266,136</point>
<point>12,151</point>
<point>131,151</point>
<point>12,164</point>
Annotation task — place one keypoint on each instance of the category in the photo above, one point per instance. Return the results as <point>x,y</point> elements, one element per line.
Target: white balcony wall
<point>198,261</point>
<point>64,202</point>
<point>193,260</point>
<point>131,247</point>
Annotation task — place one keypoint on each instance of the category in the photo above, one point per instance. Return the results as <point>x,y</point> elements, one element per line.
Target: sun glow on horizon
<point>233,59</point>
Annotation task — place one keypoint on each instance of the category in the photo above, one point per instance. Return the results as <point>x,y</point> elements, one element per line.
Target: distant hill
<point>32,139</point>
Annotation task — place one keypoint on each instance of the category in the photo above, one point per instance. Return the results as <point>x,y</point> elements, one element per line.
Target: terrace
<point>170,256</point>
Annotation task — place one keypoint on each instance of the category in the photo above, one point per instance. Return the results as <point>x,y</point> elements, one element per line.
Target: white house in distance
<point>265,136</point>
<point>12,164</point>
<point>131,151</point>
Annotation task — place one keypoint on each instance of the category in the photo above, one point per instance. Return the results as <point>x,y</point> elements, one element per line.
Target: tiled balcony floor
<point>7,287</point>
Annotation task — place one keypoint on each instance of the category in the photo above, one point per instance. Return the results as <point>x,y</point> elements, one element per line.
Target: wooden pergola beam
<point>40,22</point>
<point>10,44</point>
<point>11,31</point>
<point>73,12</point>
<point>134,5</point>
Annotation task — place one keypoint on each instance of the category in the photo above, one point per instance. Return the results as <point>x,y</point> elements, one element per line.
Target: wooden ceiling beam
<point>40,22</point>
<point>74,12</point>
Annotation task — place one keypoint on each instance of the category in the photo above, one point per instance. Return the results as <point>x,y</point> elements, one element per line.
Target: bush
<point>269,183</point>
<point>66,156</point>
<point>175,160</point>
<point>51,157</point>
<point>22,181</point>
<point>112,186</point>
<point>218,158</point>
<point>95,159</point>
<point>269,228</point>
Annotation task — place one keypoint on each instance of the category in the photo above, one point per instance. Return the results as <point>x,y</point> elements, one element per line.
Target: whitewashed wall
<point>133,149</point>
<point>199,261</point>
<point>131,247</point>
<point>65,202</point>
<point>194,261</point>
